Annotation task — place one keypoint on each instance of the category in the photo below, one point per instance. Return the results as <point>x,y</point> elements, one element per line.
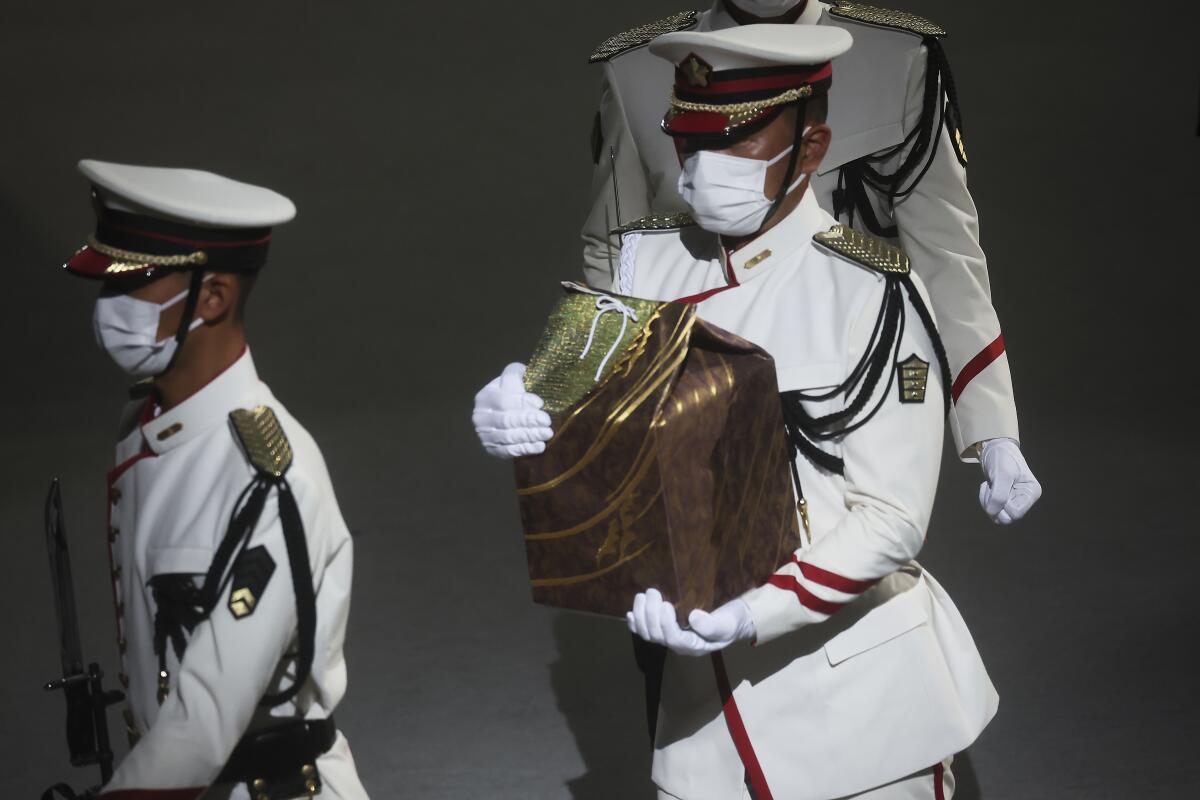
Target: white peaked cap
<point>751,46</point>
<point>191,196</point>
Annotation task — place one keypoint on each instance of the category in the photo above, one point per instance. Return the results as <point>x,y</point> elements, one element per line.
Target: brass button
<point>120,609</point>
<point>307,770</point>
<point>114,495</point>
<point>168,432</point>
<point>116,572</point>
<point>122,645</point>
<point>113,533</point>
<point>124,679</point>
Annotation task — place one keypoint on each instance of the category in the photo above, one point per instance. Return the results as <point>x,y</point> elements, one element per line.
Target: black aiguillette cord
<point>241,526</point>
<point>804,431</point>
<point>306,601</point>
<point>940,109</point>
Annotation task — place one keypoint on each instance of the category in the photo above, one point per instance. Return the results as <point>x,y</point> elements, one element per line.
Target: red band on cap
<point>196,243</point>
<point>762,83</point>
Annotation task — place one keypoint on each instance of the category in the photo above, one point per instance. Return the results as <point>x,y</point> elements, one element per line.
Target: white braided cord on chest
<point>629,245</point>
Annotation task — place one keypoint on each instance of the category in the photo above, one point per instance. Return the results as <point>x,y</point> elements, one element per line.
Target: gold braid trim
<point>643,34</point>
<point>741,113</point>
<point>887,18</point>
<point>263,439</point>
<point>861,248</point>
<point>132,259</point>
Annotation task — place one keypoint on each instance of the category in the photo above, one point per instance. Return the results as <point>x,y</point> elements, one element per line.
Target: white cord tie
<point>604,304</point>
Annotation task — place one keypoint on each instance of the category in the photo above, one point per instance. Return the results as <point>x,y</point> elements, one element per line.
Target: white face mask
<point>127,329</point>
<point>766,8</point>
<point>726,193</point>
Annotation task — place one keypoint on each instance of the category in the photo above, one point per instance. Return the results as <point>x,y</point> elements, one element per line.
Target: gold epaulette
<point>263,439</point>
<point>885,17</point>
<point>863,249</point>
<point>642,34</point>
<point>655,222</point>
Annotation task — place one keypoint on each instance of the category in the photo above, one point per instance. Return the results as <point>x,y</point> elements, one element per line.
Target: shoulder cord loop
<point>940,104</point>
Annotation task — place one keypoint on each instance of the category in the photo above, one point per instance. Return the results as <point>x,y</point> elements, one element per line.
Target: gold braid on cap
<point>741,113</point>
<point>130,260</point>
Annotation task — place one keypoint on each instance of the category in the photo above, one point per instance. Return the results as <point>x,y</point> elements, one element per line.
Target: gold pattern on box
<point>263,439</point>
<point>656,377</point>
<point>643,34</point>
<point>873,15</point>
<point>861,248</point>
<point>562,370</point>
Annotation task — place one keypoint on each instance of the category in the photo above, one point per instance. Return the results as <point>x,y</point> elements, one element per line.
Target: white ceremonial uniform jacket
<point>177,479</point>
<point>863,671</point>
<point>875,101</point>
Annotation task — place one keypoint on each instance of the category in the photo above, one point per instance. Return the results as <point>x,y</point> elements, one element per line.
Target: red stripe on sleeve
<point>737,730</point>
<point>807,598</point>
<point>197,243</point>
<point>832,580</point>
<point>939,791</point>
<point>977,365</point>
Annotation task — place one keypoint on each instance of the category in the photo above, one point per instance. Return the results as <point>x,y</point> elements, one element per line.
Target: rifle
<point>87,701</point>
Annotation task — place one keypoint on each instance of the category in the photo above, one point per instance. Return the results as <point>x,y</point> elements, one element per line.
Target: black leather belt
<point>280,762</point>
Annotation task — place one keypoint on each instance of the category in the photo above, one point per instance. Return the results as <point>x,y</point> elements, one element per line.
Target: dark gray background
<point>438,154</point>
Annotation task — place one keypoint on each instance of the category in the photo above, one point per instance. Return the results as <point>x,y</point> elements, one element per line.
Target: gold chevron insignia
<point>864,249</point>
<point>885,17</point>
<point>263,439</point>
<point>643,34</point>
<point>242,602</point>
<point>914,377</point>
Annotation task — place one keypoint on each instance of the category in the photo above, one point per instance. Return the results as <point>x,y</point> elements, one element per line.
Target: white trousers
<point>935,783</point>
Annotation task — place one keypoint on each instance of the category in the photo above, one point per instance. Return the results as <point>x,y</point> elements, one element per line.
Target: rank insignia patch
<point>914,375</point>
<point>251,574</point>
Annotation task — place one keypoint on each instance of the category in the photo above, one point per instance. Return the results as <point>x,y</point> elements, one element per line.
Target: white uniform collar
<point>206,409</point>
<point>718,19</point>
<point>793,232</point>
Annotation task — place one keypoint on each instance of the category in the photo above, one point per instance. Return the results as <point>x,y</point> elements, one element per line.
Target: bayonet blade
<point>64,588</point>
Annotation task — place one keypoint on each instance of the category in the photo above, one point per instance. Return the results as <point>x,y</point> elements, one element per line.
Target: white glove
<point>653,619</point>
<point>509,420</point>
<point>1010,489</point>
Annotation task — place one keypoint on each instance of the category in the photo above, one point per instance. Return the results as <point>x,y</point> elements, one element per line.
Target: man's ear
<point>218,297</point>
<point>816,145</point>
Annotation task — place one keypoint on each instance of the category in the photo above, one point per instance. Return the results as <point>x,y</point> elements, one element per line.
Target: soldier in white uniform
<point>896,167</point>
<point>849,672</point>
<point>231,564</point>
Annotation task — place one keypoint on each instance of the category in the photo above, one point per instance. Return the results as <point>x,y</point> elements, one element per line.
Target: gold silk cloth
<point>669,463</point>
